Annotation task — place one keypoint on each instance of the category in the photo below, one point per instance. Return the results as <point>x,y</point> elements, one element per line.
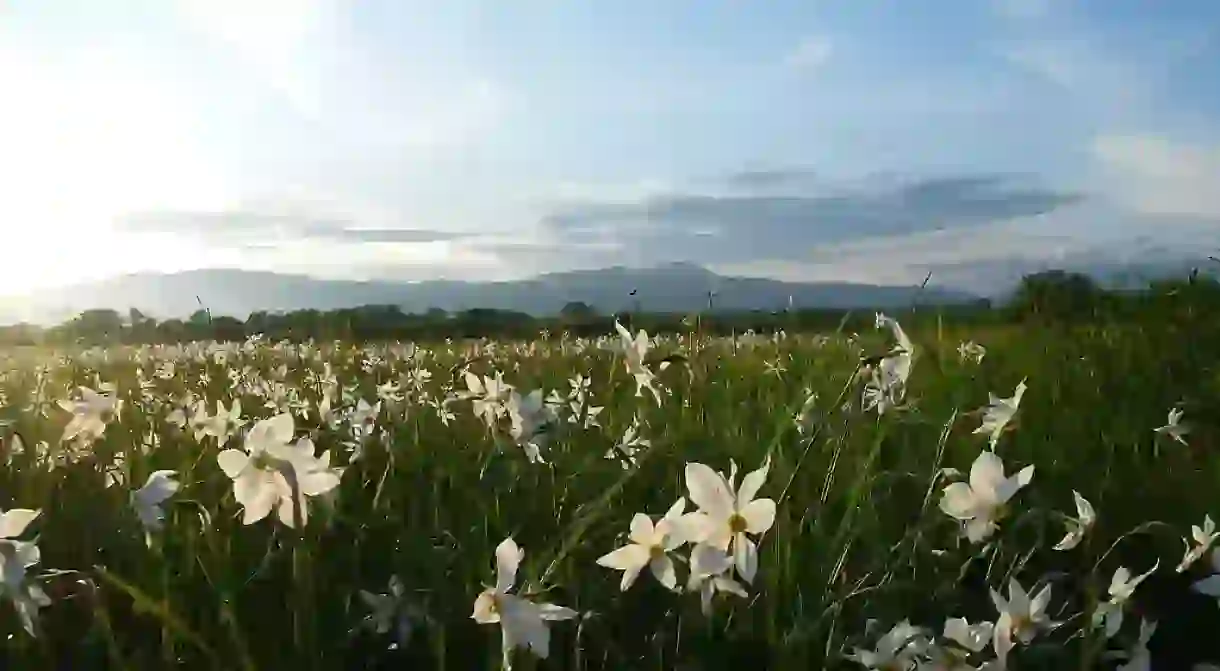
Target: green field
<point>434,477</point>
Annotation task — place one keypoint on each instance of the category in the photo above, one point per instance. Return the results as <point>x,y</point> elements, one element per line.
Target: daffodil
<point>981,503</point>
<point>650,546</point>
<point>998,413</point>
<point>265,473</point>
<point>972,637</point>
<point>16,556</point>
<point>1079,525</point>
<point>147,500</point>
<point>90,413</point>
<point>1137,657</point>
<point>627,446</point>
<point>1174,428</point>
<point>1122,586</point>
<point>1021,617</point>
<point>899,648</point>
<point>726,518</point>
<point>392,611</point>
<point>1204,538</point>
<point>887,379</point>
<point>530,419</point>
<point>523,624</point>
<point>971,351</point>
<point>635,350</point>
<point>225,422</point>
<point>710,570</point>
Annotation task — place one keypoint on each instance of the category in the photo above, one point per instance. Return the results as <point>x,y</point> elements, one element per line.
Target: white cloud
<point>1154,174</point>
<point>811,54</point>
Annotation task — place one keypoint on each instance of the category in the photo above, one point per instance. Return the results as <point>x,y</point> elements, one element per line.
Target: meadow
<point>952,498</point>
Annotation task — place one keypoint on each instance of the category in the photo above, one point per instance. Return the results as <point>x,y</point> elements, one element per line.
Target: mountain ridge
<point>677,287</point>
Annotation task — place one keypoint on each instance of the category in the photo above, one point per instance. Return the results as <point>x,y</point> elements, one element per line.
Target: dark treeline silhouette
<point>1051,298</point>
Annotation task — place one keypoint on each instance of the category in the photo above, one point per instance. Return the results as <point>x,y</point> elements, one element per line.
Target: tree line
<point>1047,298</point>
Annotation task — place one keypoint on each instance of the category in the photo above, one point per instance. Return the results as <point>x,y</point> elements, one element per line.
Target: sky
<point>875,141</point>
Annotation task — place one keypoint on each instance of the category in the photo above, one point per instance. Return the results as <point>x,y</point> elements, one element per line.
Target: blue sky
<point>832,139</point>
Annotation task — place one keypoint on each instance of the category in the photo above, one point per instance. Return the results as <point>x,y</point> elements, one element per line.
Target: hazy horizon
<point>803,141</point>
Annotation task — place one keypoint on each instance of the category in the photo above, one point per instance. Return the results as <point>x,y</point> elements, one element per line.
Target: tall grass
<point>858,534</point>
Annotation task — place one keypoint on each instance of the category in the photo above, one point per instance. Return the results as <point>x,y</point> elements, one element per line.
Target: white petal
<point>551,613</point>
<point>759,515</point>
<point>641,529</point>
<point>484,608</point>
<point>14,522</point>
<point>986,475</point>
<point>708,490</point>
<point>233,462</point>
<point>752,483</point>
<point>958,501</point>
<point>508,558</point>
<point>625,558</point>
<point>663,570</point>
<point>1209,586</point>
<point>745,556</point>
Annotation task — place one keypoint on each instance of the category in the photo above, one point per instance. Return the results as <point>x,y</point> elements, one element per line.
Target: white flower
<point>631,442</point>
<point>1122,586</point>
<point>529,419</point>
<point>650,546</point>
<point>724,519</point>
<point>887,383</point>
<point>981,503</point>
<point>1020,617</point>
<point>487,395</point>
<point>261,474</point>
<point>15,557</point>
<point>1137,657</point>
<point>1079,525</point>
<point>200,420</point>
<point>147,500</point>
<point>709,574</point>
<point>999,412</point>
<point>1211,584</point>
<point>971,351</point>
<point>971,637</point>
<point>1204,538</point>
<point>635,350</point>
<point>522,622</point>
<point>224,423</point>
<point>896,649</point>
<point>89,414</point>
<point>1174,428</point>
<point>391,611</point>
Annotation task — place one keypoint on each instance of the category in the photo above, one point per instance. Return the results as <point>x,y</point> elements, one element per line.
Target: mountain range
<point>677,287</point>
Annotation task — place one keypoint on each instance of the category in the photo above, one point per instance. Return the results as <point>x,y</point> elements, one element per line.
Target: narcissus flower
<point>1079,525</point>
<point>726,518</point>
<point>523,624</point>
<point>650,546</point>
<point>1204,537</point>
<point>1021,617</point>
<point>982,502</point>
<point>998,413</point>
<point>90,412</point>
<point>147,500</point>
<point>1122,586</point>
<point>1174,428</point>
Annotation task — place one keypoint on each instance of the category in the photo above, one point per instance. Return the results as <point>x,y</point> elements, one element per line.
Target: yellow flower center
<point>738,524</point>
<point>656,552</point>
<point>1020,625</point>
<point>263,461</point>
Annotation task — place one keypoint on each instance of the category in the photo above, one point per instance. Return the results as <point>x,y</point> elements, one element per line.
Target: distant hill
<point>669,288</point>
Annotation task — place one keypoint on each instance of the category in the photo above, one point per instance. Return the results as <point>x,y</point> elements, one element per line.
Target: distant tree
<point>1057,296</point>
<point>97,325</point>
